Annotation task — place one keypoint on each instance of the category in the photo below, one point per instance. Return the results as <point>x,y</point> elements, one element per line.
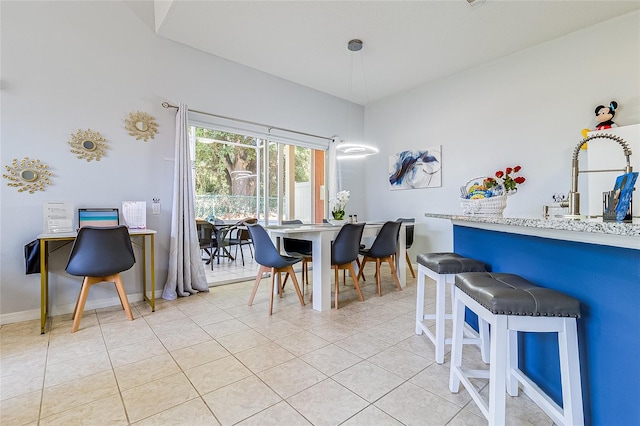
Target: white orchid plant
<point>342,197</point>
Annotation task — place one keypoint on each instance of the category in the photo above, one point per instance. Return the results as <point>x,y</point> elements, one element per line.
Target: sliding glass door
<point>239,176</point>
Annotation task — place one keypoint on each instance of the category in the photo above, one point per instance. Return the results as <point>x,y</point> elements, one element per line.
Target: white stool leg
<point>439,338</point>
<point>440,316</point>
<point>512,363</point>
<point>570,373</point>
<point>483,328</point>
<point>420,300</point>
<point>456,345</point>
<point>482,338</point>
<point>452,290</point>
<point>497,371</point>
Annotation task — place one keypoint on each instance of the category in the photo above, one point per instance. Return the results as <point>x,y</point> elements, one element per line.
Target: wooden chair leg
<point>394,273</point>
<point>261,271</point>
<point>361,267</point>
<point>289,270</point>
<point>281,288</point>
<point>355,281</point>
<point>75,310</point>
<point>337,281</point>
<point>378,276</point>
<point>117,280</point>
<point>413,274</point>
<point>84,292</point>
<point>273,280</point>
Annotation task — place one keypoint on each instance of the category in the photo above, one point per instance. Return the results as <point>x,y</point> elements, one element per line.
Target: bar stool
<point>442,267</point>
<point>510,303</point>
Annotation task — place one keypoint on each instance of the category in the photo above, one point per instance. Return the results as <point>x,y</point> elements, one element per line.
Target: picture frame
<point>416,169</point>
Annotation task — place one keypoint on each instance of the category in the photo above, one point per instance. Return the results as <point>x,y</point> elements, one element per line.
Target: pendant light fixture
<point>347,150</point>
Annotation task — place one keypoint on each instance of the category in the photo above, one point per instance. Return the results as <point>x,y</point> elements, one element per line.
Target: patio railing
<point>231,207</point>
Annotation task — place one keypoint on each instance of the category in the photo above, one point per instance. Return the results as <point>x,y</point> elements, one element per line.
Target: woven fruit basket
<point>483,200</point>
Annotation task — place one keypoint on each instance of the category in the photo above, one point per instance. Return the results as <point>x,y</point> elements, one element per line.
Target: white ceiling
<point>406,43</point>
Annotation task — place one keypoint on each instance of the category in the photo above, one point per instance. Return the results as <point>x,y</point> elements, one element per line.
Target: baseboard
<point>33,314</point>
<point>19,316</point>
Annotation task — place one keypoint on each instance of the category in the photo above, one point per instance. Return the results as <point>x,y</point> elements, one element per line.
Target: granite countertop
<point>589,230</point>
<point>612,228</point>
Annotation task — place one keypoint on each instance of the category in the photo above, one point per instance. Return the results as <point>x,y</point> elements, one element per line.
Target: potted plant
<point>338,211</point>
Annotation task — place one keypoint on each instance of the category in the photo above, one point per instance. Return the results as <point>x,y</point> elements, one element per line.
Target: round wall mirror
<point>29,175</point>
<point>88,145</point>
<point>141,125</point>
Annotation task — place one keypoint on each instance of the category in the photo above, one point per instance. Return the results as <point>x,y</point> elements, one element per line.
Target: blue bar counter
<point>597,263</point>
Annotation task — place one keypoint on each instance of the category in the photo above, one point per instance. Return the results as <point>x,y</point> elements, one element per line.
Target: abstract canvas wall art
<point>416,169</point>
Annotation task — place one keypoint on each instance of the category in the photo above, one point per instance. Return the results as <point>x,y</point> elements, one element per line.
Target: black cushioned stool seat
<point>510,294</point>
<point>510,303</point>
<point>442,267</point>
<point>450,263</point>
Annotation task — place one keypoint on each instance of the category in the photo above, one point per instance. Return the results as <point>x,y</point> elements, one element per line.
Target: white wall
<point>527,109</point>
<point>78,65</point>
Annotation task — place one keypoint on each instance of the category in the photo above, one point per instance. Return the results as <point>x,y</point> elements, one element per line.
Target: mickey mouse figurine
<point>605,114</point>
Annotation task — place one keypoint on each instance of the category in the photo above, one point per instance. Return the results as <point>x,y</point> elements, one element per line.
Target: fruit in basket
<point>475,187</point>
<point>478,191</point>
<point>489,182</point>
<point>479,195</point>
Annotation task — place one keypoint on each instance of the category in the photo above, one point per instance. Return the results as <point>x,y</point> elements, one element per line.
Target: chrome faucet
<point>573,200</point>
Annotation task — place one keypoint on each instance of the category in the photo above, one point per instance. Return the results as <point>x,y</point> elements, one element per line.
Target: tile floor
<point>209,359</point>
<point>228,272</point>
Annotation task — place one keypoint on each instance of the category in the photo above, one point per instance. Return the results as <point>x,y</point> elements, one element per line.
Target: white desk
<point>321,237</point>
<point>45,239</point>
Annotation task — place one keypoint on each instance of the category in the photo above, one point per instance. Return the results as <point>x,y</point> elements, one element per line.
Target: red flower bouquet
<point>510,182</point>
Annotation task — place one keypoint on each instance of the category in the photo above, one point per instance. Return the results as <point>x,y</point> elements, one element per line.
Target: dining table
<point>321,236</point>
<point>220,231</point>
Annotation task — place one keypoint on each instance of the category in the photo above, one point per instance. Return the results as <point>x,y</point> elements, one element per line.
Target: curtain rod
<point>168,105</point>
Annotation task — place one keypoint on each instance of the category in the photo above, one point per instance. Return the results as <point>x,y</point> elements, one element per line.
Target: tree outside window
<point>225,174</point>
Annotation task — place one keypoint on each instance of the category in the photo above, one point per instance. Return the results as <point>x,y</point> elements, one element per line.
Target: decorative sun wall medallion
<point>28,175</point>
<point>89,145</point>
<point>141,125</point>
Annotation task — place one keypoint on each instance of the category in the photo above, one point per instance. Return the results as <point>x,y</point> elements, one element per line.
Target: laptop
<point>98,217</point>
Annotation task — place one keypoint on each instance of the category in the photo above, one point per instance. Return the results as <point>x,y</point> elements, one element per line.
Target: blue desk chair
<point>267,256</point>
<point>100,255</point>
<point>383,249</point>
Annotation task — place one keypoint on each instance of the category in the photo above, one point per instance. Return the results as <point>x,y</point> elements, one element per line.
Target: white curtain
<point>186,272</point>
